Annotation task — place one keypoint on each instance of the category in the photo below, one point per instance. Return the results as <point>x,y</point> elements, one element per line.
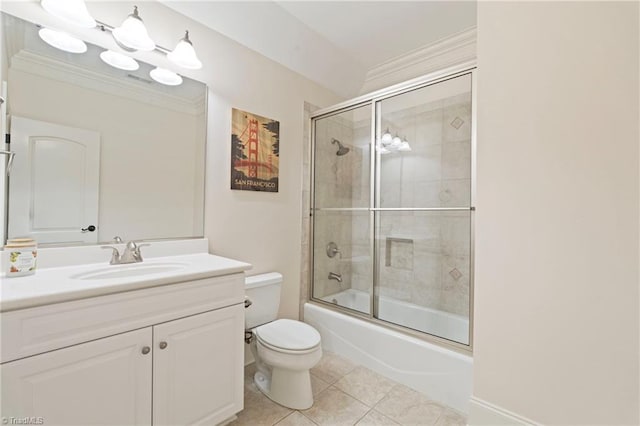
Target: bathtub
<point>443,375</point>
<point>438,323</point>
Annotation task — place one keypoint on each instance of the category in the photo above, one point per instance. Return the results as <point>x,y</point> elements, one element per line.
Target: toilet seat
<point>289,336</point>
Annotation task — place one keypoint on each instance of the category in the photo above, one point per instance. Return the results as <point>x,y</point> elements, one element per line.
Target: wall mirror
<point>99,151</point>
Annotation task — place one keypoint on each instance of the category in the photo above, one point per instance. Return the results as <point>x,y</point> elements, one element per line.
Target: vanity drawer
<point>36,330</point>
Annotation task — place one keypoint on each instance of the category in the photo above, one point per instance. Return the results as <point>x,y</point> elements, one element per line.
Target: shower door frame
<point>373,100</point>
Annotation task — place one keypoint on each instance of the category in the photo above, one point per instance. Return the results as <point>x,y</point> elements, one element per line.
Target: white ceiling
<point>374,32</point>
<point>333,43</point>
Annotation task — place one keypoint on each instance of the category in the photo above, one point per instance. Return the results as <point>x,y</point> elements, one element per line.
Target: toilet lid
<point>288,334</point>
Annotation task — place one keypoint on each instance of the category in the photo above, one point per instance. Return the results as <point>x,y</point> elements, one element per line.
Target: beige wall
<point>263,229</point>
<point>556,289</point>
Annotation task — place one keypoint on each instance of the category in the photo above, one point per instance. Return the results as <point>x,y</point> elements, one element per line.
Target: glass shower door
<point>342,218</point>
<point>423,209</point>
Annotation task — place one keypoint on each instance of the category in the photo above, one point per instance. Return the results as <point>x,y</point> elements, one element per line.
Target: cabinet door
<point>197,366</point>
<point>104,382</point>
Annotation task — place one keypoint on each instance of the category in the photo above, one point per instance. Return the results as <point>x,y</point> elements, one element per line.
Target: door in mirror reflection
<point>54,186</point>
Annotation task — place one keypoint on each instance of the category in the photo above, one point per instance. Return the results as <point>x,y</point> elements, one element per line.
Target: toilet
<point>285,350</point>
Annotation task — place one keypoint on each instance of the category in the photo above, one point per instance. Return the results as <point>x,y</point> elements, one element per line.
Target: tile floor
<point>347,394</point>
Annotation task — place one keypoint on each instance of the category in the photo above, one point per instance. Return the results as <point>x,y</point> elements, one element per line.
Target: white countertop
<point>55,285</point>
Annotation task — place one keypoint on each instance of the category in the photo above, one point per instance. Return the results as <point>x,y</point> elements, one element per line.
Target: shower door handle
<point>11,155</point>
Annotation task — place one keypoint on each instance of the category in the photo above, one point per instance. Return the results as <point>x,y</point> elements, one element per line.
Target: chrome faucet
<point>334,276</point>
<point>131,254</point>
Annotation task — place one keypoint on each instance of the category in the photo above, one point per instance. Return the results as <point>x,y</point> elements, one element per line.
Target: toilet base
<point>289,388</point>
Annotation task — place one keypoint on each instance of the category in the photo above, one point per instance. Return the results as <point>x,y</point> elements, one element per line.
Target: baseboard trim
<point>482,412</point>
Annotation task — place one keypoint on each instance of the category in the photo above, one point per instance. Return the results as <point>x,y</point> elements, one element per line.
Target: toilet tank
<point>264,292</point>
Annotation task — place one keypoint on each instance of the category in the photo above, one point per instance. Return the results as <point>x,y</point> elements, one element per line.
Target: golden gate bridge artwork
<point>255,150</point>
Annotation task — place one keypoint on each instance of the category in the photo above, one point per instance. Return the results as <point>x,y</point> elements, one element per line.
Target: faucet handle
<point>135,248</point>
<point>117,240</point>
<point>115,254</point>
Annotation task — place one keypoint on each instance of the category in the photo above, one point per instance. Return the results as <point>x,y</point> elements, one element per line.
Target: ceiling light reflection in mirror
<point>118,60</point>
<point>62,41</point>
<point>164,76</point>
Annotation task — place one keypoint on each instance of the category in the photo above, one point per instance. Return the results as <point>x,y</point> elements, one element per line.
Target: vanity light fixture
<point>184,55</point>
<point>396,142</point>
<point>404,145</point>
<point>132,34</point>
<point>119,60</point>
<point>386,137</point>
<point>382,150</point>
<point>71,11</point>
<point>62,41</point>
<point>164,76</point>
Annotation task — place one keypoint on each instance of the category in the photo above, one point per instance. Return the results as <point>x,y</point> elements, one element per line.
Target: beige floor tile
<point>373,418</point>
<point>249,371</point>
<point>365,385</point>
<point>408,407</point>
<point>295,419</point>
<point>318,385</point>
<point>332,367</point>
<point>258,409</point>
<point>335,408</point>
<point>451,418</point>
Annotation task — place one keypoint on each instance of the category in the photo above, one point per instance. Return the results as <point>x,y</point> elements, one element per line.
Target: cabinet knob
<point>163,345</point>
<point>146,350</point>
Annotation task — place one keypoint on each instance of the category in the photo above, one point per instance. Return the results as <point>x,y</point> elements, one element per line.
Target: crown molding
<point>35,64</point>
<point>454,50</point>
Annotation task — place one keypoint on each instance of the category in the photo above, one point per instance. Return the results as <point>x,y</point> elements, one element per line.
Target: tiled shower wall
<point>335,187</point>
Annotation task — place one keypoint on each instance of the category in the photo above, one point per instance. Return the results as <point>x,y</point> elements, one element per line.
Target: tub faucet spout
<point>334,276</point>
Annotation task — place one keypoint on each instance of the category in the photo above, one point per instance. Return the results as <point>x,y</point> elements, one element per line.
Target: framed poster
<point>255,150</point>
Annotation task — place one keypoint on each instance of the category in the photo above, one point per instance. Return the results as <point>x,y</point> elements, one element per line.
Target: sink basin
<point>132,270</point>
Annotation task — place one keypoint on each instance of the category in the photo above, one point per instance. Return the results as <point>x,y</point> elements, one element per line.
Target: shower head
<point>342,150</point>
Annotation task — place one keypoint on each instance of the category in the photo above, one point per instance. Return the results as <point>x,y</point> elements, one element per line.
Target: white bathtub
<point>443,324</point>
<point>442,374</point>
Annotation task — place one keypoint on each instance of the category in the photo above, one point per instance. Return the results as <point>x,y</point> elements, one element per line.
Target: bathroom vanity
<point>158,343</point>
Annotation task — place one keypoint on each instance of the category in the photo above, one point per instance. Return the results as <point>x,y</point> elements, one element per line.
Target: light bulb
<point>382,150</point>
<point>396,141</point>
<point>62,41</point>
<point>118,60</point>
<point>184,55</point>
<point>132,34</point>
<point>404,146</point>
<point>164,76</point>
<point>71,11</point>
<point>386,137</point>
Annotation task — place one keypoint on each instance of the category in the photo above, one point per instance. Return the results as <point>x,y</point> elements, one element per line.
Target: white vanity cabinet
<point>168,363</point>
<point>107,381</point>
<point>196,364</point>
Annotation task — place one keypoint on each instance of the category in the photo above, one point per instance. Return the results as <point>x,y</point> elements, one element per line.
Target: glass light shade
<point>62,41</point>
<point>164,76</point>
<point>386,138</point>
<point>71,11</point>
<point>404,146</point>
<point>132,34</point>
<point>396,141</point>
<point>382,150</point>
<point>118,60</point>
<point>184,55</point>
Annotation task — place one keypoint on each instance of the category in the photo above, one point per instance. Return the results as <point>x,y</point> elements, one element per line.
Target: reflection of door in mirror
<point>53,188</point>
